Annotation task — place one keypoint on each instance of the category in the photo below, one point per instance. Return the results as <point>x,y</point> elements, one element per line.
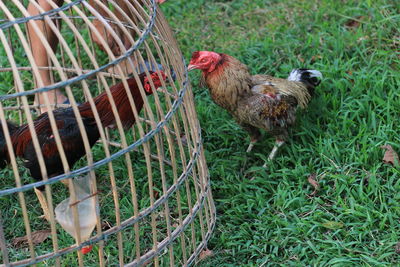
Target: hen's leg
<point>254,135</point>
<point>251,145</point>
<point>278,144</point>
<point>43,203</point>
<point>281,135</point>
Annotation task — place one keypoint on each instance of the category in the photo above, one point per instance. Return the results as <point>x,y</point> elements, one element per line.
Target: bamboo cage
<point>149,183</point>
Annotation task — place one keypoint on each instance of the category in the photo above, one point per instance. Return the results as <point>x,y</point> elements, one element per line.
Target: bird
<point>4,157</point>
<point>255,101</point>
<point>69,132</point>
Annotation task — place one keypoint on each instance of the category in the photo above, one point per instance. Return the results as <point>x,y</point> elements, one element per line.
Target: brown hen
<point>256,101</point>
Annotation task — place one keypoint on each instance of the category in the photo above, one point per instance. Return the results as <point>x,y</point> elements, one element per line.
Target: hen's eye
<point>203,60</point>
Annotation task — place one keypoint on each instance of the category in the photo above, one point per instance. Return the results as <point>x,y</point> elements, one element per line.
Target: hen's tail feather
<point>312,78</point>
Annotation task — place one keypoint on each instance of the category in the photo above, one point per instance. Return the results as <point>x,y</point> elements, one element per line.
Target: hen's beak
<point>191,67</point>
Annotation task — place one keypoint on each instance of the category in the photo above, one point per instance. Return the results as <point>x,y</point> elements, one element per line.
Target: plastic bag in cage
<point>86,207</point>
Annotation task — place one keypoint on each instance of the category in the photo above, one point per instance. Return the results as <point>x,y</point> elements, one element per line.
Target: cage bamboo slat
<point>150,183</point>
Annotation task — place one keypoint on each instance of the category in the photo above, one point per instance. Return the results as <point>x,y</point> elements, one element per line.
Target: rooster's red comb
<point>155,75</point>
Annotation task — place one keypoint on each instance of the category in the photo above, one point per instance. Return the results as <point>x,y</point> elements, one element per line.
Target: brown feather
<point>229,82</point>
<point>297,90</point>
<point>122,104</point>
<point>259,101</point>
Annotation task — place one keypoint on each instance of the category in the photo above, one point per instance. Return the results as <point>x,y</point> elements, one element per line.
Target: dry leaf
<point>315,58</point>
<point>206,253</point>
<point>390,156</point>
<point>300,59</point>
<point>362,38</point>
<point>397,248</point>
<point>37,238</point>
<point>350,73</point>
<point>354,23</point>
<point>314,183</point>
<point>333,225</point>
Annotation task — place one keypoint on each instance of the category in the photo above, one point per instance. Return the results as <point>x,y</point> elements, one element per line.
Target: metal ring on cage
<point>127,142</point>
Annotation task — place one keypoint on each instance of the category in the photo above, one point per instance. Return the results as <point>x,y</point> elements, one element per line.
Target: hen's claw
<point>251,145</point>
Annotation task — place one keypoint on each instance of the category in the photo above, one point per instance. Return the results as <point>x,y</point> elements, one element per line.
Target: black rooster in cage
<point>69,132</point>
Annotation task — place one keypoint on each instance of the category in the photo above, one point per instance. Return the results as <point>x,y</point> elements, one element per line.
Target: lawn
<point>270,217</point>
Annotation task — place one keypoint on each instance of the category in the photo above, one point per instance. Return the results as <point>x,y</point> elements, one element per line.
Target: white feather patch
<point>315,73</point>
<point>294,76</point>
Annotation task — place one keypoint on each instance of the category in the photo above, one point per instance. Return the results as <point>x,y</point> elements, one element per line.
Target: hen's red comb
<point>195,54</point>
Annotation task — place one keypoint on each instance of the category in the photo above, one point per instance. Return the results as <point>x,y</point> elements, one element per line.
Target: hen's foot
<point>250,147</point>
<point>278,144</point>
<point>253,140</point>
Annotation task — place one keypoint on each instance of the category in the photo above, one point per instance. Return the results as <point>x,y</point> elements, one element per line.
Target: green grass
<point>267,217</point>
